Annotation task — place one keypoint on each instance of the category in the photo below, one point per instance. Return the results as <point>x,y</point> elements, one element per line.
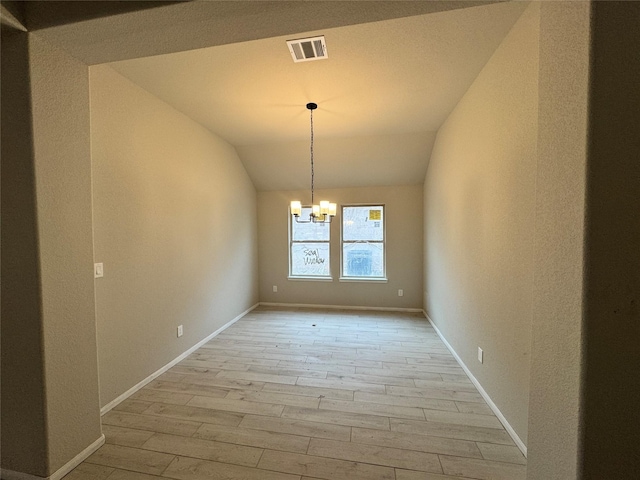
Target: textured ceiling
<point>385,89</point>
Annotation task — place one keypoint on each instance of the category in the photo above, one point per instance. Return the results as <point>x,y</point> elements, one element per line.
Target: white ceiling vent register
<point>307,49</point>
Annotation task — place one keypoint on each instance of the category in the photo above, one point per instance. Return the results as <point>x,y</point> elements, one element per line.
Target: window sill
<point>364,279</point>
<point>311,279</point>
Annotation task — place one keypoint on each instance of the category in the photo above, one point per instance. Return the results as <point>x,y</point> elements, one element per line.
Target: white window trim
<point>364,279</point>
<point>310,279</point>
<point>346,278</point>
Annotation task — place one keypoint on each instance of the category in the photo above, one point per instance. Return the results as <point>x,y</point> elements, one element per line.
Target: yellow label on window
<point>375,214</point>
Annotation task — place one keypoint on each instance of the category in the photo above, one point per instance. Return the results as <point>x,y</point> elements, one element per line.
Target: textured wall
<point>480,220</point>
<point>175,226</point>
<point>53,339</point>
<point>59,86</point>
<point>23,404</point>
<point>559,242</point>
<point>403,248</point>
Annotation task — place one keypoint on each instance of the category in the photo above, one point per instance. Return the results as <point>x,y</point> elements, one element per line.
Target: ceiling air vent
<point>307,49</point>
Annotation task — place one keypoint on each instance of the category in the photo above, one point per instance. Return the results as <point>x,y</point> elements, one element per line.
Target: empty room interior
<point>297,240</point>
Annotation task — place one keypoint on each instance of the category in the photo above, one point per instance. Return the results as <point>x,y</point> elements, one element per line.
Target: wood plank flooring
<point>299,394</point>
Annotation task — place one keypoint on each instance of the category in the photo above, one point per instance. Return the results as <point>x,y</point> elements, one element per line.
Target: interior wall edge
<point>557,339</point>
<point>60,109</point>
<point>24,415</point>
<point>62,471</point>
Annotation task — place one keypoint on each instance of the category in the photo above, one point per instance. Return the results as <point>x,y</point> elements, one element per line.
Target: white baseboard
<point>61,472</point>
<point>485,395</point>
<point>342,307</point>
<point>78,459</point>
<point>113,403</point>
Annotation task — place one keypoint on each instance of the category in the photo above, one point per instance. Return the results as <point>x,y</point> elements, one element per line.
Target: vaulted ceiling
<point>384,90</point>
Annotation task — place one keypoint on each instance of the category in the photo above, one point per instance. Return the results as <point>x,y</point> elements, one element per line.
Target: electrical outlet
<point>401,293</point>
<point>275,288</point>
<point>180,330</point>
<point>98,270</point>
<point>480,355</point>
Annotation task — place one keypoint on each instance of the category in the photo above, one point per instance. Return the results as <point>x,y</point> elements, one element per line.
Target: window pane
<point>362,223</point>
<point>310,259</point>
<point>308,231</point>
<point>363,259</point>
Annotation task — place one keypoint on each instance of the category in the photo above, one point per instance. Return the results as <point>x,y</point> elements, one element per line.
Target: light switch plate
<point>480,355</point>
<point>180,330</point>
<point>98,270</point>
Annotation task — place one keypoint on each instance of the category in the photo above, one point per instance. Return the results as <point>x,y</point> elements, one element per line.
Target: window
<point>308,248</point>
<point>363,242</point>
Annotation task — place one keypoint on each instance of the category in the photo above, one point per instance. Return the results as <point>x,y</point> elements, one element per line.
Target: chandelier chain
<point>312,173</point>
<point>325,211</point>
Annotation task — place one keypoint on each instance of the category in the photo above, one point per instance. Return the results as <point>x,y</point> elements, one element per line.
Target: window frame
<point>291,242</point>
<point>351,278</point>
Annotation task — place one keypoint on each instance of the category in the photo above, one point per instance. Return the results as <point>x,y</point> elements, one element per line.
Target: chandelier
<point>322,212</point>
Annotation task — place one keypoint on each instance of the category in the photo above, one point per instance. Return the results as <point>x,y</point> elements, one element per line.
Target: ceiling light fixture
<point>323,212</point>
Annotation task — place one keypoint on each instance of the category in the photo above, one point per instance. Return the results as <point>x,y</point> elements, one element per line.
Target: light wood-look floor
<point>288,394</point>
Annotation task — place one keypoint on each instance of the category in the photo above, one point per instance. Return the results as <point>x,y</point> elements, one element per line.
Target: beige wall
<point>554,417</point>
<point>23,429</point>
<point>403,210</point>
<point>174,224</point>
<point>479,209</point>
<point>43,429</point>
<point>584,379</point>
<point>63,187</point>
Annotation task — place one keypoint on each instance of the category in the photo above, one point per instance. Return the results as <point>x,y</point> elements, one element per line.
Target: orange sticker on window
<point>375,214</point>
